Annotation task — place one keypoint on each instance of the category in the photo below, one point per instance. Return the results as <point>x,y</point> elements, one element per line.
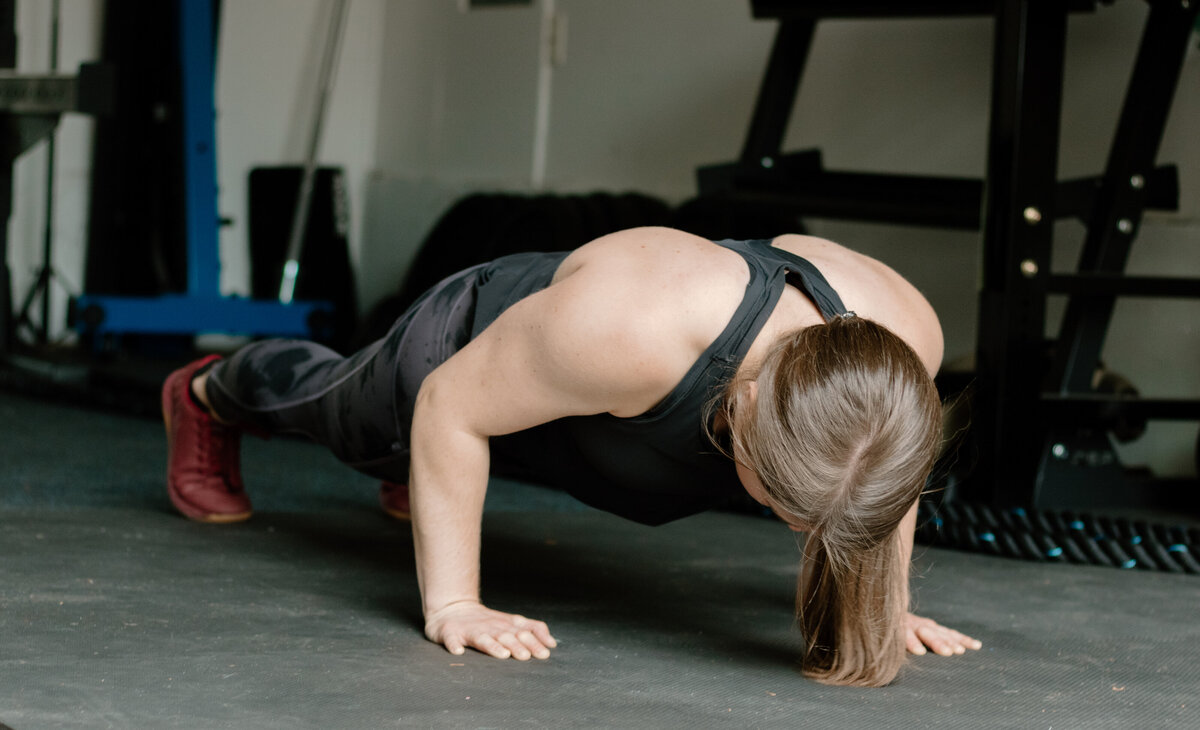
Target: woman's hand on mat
<point>465,624</point>
<point>923,632</point>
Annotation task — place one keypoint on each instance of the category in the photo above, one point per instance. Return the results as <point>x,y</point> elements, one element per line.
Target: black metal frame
<point>1033,423</point>
<point>1019,212</point>
<point>8,59</point>
<point>1120,199</point>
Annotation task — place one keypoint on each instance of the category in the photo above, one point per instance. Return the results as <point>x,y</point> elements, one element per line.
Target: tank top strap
<point>802,274</point>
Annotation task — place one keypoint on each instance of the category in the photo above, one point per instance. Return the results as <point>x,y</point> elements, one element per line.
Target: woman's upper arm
<point>570,349</point>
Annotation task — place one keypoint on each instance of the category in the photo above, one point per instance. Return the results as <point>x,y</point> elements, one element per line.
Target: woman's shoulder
<point>651,252</point>
<point>874,290</point>
<point>661,272</point>
<point>669,292</point>
<point>670,286</point>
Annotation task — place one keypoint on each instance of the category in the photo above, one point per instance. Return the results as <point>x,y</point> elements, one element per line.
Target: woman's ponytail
<point>842,434</point>
<point>851,613</point>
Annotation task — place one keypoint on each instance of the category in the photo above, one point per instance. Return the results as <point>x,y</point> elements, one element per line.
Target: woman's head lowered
<point>837,431</point>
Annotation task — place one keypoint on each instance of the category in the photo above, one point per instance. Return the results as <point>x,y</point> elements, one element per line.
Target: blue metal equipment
<point>201,308</point>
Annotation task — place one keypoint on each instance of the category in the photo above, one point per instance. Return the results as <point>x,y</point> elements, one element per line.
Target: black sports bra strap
<point>812,282</point>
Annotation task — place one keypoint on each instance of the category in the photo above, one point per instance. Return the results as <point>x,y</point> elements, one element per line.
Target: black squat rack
<point>1040,427</point>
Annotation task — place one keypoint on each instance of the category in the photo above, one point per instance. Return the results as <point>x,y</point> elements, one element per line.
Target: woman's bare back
<point>681,290</point>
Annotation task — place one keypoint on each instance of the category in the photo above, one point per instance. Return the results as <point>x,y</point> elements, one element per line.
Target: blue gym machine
<point>201,308</point>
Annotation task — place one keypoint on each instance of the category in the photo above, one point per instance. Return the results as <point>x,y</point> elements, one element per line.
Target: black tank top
<point>658,466</point>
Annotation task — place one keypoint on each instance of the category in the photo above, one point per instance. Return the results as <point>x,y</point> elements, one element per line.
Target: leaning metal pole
<point>291,267</point>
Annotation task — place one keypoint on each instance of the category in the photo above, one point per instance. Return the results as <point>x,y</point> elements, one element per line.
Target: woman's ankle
<point>197,391</point>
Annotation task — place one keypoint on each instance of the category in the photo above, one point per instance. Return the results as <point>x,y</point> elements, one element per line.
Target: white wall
<point>270,54</point>
<point>457,113</point>
<point>79,40</point>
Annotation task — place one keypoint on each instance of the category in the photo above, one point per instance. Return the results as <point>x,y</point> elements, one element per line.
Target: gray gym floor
<point>117,613</point>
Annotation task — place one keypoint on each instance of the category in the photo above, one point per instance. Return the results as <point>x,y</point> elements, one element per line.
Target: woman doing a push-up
<point>652,374</point>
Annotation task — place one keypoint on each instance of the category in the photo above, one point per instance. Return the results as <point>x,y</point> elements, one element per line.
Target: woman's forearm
<point>448,482</point>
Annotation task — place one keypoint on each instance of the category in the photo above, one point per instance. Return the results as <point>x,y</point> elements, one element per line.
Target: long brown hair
<point>842,434</point>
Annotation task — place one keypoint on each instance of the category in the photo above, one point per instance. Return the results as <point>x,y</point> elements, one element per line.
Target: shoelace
<point>231,457</point>
<point>220,452</point>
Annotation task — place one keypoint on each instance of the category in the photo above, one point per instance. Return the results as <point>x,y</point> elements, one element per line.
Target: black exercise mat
<point>139,619</point>
<point>117,613</point>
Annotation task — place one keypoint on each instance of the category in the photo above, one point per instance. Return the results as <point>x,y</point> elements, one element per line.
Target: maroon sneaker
<point>394,500</point>
<point>204,478</point>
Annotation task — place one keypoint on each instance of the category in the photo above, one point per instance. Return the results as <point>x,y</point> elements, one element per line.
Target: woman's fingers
<point>539,629</point>
<point>913,643</point>
<point>923,632</point>
<point>533,644</point>
<point>957,641</point>
<point>516,649</point>
<point>505,644</point>
<point>489,644</point>
<point>454,645</point>
<point>964,641</point>
<point>542,632</point>
<point>497,634</point>
<point>936,640</point>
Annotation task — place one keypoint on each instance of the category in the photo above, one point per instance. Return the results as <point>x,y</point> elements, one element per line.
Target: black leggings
<point>360,407</point>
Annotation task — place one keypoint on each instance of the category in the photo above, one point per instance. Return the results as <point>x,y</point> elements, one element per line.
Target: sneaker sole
<point>398,514</point>
<point>187,509</point>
